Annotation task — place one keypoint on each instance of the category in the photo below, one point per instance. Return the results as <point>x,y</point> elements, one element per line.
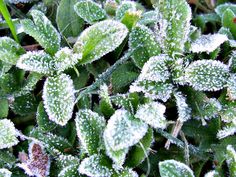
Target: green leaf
<point>10,50</point>
<point>153,114</point>
<point>174,169</point>
<point>124,130</point>
<point>137,153</point>
<point>173,32</point>
<point>231,89</point>
<point>124,7</point>
<point>100,39</point>
<point>5,172</point>
<point>4,68</point>
<point>207,75</point>
<point>68,22</point>
<point>8,134</point>
<point>223,7</point>
<point>96,166</point>
<point>58,98</point>
<point>3,108</point>
<point>42,31</point>
<point>36,61</point>
<point>148,18</point>
<point>90,127</point>
<point>90,11</point>
<point>228,21</point>
<point>69,171</point>
<point>127,172</point>
<point>208,43</point>
<point>143,38</point>
<point>7,159</point>
<point>231,159</point>
<point>43,121</point>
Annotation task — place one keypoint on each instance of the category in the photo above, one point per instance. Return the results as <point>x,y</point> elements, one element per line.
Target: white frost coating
<point>123,130</point>
<point>207,75</point>
<point>5,172</point>
<point>8,134</point>
<point>89,126</point>
<point>153,114</point>
<point>127,172</point>
<point>167,166</point>
<point>226,131</point>
<point>212,173</point>
<point>20,1</point>
<point>231,90</point>
<point>208,43</point>
<point>71,171</point>
<point>92,166</point>
<point>231,159</point>
<point>36,61</point>
<point>58,98</point>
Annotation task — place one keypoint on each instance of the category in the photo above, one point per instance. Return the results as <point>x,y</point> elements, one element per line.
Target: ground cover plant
<point>117,88</point>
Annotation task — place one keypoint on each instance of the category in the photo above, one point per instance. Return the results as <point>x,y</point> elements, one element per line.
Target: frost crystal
<point>127,172</point>
<point>123,130</point>
<point>226,131</point>
<point>5,172</point>
<point>207,75</point>
<point>153,114</point>
<point>231,90</point>
<point>100,39</point>
<point>208,43</point>
<point>95,166</point>
<point>38,162</point>
<point>89,126</point>
<point>58,98</point>
<point>174,168</point>
<point>36,61</point>
<point>8,134</point>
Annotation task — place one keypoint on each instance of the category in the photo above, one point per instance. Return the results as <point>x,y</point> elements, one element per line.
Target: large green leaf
<point>58,98</point>
<point>142,38</point>
<point>68,22</point>
<point>90,11</point>
<point>89,127</point>
<point>174,169</point>
<point>10,50</point>
<point>42,31</point>
<point>228,21</point>
<point>8,134</point>
<point>100,39</point>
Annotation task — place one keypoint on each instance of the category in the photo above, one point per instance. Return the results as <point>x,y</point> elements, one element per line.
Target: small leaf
<point>220,9</point>
<point>143,38</point>
<point>173,32</point>
<point>43,31</point>
<point>207,75</point>
<point>208,43</point>
<point>90,11</point>
<point>124,130</point>
<point>174,169</point>
<point>150,17</point>
<point>58,98</point>
<point>153,114</point>
<point>5,172</point>
<point>127,172</point>
<point>69,171</point>
<point>231,89</point>
<point>3,108</point>
<point>68,22</point>
<point>231,159</point>
<point>228,21</point>
<point>228,130</point>
<point>100,39</point>
<point>36,61</point>
<point>95,166</point>
<point>89,127</point>
<point>124,7</point>
<point>8,134</point>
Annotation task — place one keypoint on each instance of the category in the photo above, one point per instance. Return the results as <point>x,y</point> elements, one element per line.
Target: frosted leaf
<point>104,94</point>
<point>220,9</point>
<point>42,31</point>
<point>155,69</point>
<point>68,165</point>
<point>184,111</point>
<point>8,134</point>
<point>95,166</point>
<point>153,114</point>
<point>174,168</point>
<point>143,38</point>
<point>58,98</point>
<point>174,24</point>
<point>36,61</point>
<point>208,43</point>
<point>89,126</point>
<point>232,62</point>
<point>228,21</point>
<point>124,7</point>
<point>231,89</point>
<point>212,173</point>
<point>37,163</point>
<point>118,156</point>
<point>207,75</point>
<point>100,39</point>
<point>124,130</point>
<point>65,59</point>
<point>150,17</point>
<point>10,50</point>
<point>127,172</point>
<point>153,90</point>
<point>5,172</point>
<point>69,171</point>
<point>228,130</point>
<point>90,11</point>
<point>20,1</point>
<point>231,160</point>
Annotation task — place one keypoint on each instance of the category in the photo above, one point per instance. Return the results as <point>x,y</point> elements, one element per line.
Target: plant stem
<point>7,17</point>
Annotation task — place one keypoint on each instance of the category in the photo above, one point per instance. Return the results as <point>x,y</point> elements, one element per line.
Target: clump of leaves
<point>118,88</point>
